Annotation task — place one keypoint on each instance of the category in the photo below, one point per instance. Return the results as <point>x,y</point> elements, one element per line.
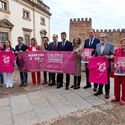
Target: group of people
<point>101,47</point>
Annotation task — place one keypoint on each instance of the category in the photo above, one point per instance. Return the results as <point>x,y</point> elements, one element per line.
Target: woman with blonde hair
<point>36,76</point>
<point>77,76</point>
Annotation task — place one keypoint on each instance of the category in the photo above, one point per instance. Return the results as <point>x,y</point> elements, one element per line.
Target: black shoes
<point>72,86</point>
<point>95,89</point>
<point>44,83</point>
<point>67,88</point>
<point>98,93</point>
<point>87,86</point>
<point>23,85</point>
<point>76,87</point>
<point>107,96</point>
<point>59,86</point>
<point>51,84</point>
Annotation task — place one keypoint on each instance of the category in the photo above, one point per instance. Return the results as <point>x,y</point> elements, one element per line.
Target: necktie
<point>55,46</point>
<point>63,44</point>
<point>90,42</point>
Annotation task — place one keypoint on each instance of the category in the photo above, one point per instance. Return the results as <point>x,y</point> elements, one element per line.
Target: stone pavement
<point>40,105</point>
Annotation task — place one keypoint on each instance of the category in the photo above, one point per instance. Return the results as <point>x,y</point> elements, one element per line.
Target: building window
<point>27,35</point>
<point>27,39</point>
<point>4,6</point>
<point>3,37</point>
<point>42,21</point>
<point>26,14</point>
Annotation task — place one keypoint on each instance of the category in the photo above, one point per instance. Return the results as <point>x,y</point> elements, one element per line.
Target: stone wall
<point>80,27</point>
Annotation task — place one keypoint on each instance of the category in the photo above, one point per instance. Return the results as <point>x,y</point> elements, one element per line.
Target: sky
<point>105,14</point>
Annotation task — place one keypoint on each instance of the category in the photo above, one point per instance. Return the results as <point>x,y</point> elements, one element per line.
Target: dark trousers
<point>52,77</point>
<point>60,79</point>
<point>77,80</point>
<point>23,77</point>
<point>107,86</point>
<point>45,76</point>
<point>87,77</point>
<point>1,78</point>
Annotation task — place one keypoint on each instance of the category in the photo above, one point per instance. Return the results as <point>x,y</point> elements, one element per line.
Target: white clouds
<point>104,13</point>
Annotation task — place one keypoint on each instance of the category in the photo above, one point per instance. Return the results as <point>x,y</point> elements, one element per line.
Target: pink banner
<point>36,61</point>
<point>51,61</point>
<point>86,55</point>
<point>22,61</point>
<point>7,61</point>
<point>119,64</point>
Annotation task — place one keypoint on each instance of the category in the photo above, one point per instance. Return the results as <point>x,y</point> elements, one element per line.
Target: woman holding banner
<point>119,75</point>
<point>77,76</point>
<point>36,76</point>
<point>8,76</point>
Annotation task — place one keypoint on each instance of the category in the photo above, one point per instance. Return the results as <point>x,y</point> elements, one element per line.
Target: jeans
<point>23,77</point>
<point>1,78</point>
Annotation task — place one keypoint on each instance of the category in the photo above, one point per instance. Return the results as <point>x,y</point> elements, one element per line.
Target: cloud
<point>104,13</point>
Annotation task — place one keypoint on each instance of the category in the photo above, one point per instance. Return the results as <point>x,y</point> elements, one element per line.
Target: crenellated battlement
<point>109,30</point>
<point>80,27</point>
<point>80,20</point>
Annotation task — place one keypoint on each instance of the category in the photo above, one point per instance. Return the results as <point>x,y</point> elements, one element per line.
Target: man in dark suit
<point>21,47</point>
<point>91,43</point>
<point>45,74</point>
<point>53,46</point>
<point>104,48</point>
<point>64,45</point>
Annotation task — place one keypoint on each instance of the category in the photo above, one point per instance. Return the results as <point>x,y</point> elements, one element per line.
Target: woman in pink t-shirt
<point>8,76</point>
<point>119,81</point>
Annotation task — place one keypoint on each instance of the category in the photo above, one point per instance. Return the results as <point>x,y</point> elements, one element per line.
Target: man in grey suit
<point>104,48</point>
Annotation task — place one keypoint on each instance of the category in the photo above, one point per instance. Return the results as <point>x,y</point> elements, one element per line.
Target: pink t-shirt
<point>7,61</point>
<point>98,69</point>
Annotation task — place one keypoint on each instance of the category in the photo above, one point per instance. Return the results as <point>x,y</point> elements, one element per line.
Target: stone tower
<point>79,27</point>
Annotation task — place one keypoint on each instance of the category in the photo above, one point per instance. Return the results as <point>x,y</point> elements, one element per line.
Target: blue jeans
<point>23,77</point>
<point>1,78</point>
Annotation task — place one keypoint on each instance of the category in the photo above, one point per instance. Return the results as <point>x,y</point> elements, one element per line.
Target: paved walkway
<point>46,103</point>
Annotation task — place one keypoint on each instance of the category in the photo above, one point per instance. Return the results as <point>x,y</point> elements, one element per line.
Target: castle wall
<point>80,27</point>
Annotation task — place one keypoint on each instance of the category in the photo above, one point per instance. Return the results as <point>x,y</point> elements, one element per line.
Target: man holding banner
<point>64,45</point>
<point>53,46</point>
<point>21,47</point>
<point>90,44</point>
<point>106,49</point>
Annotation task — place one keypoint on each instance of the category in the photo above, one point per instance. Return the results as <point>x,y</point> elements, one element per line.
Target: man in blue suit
<point>64,45</point>
<point>53,46</point>
<point>91,43</point>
